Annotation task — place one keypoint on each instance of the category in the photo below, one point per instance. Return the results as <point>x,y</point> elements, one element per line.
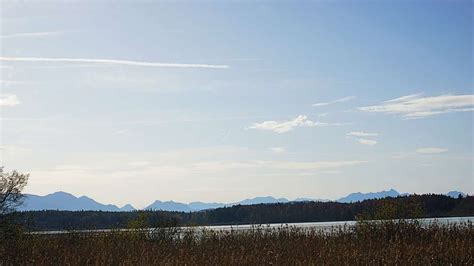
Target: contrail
<point>109,61</point>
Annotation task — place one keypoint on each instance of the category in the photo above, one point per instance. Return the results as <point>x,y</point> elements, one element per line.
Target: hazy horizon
<point>207,101</point>
<point>369,194</point>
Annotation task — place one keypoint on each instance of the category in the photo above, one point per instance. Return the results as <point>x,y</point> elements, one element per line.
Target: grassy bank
<point>367,243</point>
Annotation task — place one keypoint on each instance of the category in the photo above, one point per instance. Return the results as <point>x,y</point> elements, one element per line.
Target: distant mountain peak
<point>61,193</point>
<point>85,198</point>
<point>455,194</point>
<point>303,199</point>
<point>63,201</point>
<point>262,200</point>
<point>310,200</point>
<point>168,206</point>
<point>127,207</point>
<point>359,196</point>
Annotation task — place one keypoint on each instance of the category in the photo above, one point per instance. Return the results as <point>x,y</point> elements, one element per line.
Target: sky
<point>134,101</point>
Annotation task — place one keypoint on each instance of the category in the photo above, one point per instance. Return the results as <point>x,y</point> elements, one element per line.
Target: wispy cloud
<point>217,166</point>
<point>323,114</point>
<point>9,100</point>
<point>109,61</point>
<point>12,151</point>
<point>361,134</point>
<point>30,34</point>
<point>367,142</point>
<point>341,100</point>
<point>190,120</point>
<point>318,165</point>
<point>4,82</point>
<point>23,119</point>
<point>71,167</point>
<point>415,106</point>
<point>244,59</point>
<point>288,125</point>
<point>120,132</point>
<point>139,163</point>
<point>278,149</point>
<point>431,150</point>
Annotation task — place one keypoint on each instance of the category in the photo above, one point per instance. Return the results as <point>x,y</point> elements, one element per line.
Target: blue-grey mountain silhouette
<point>455,194</point>
<point>127,208</point>
<point>260,200</point>
<point>168,206</point>
<point>353,197</point>
<point>66,201</point>
<point>199,206</point>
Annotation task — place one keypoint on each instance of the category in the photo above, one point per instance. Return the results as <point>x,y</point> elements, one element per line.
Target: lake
<point>323,225</point>
<point>310,225</point>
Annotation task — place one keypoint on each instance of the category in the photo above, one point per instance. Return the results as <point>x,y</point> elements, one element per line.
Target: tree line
<point>402,207</point>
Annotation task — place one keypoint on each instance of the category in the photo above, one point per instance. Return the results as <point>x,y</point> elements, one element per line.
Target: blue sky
<point>138,101</point>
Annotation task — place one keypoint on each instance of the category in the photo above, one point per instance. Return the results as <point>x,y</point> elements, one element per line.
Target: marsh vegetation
<point>390,242</point>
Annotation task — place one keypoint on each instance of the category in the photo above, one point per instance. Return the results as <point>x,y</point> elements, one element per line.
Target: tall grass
<point>389,242</point>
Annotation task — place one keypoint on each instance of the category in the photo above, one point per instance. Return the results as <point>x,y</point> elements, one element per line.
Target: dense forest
<point>413,206</point>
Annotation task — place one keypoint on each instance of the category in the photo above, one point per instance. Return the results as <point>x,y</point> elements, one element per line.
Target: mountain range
<point>68,202</point>
<point>358,196</point>
<point>65,201</point>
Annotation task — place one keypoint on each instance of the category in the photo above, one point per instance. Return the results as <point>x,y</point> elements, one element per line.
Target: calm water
<point>322,225</point>
<point>316,225</point>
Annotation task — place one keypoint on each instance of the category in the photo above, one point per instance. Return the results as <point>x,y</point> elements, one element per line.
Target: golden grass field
<point>389,243</point>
